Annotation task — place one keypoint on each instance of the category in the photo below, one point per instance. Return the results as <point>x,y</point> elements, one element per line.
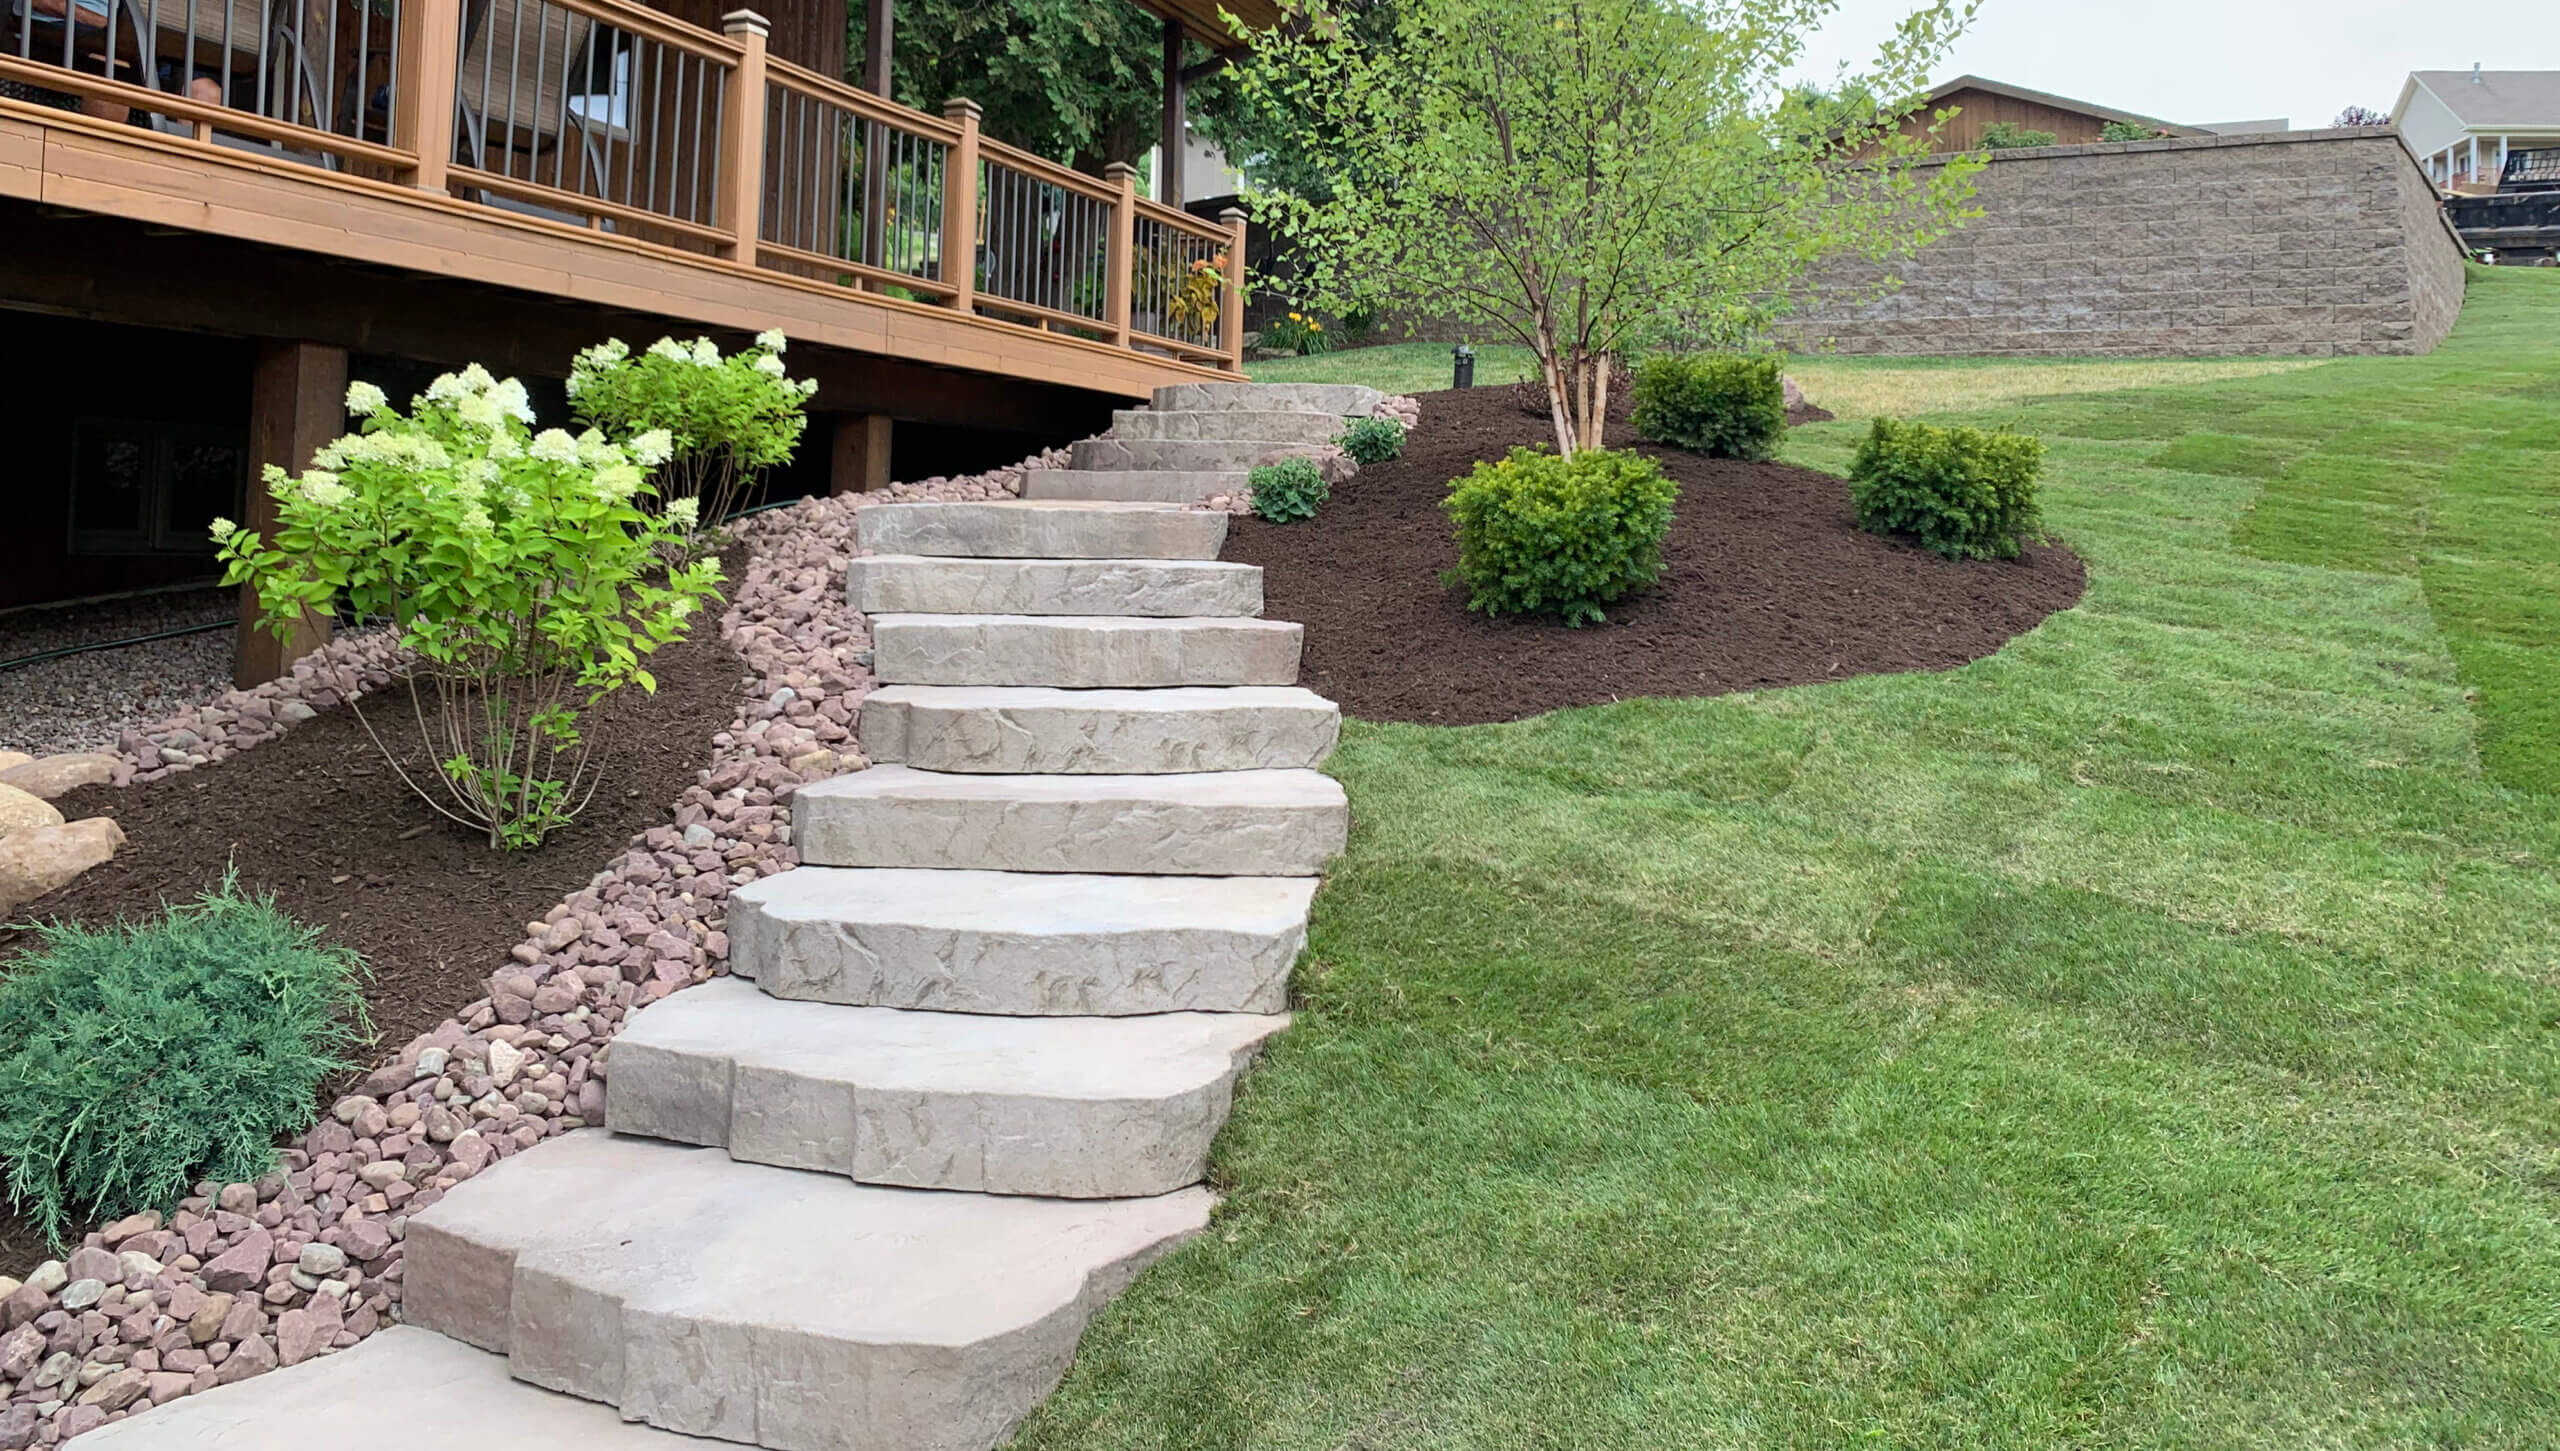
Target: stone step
<point>1049,529</point>
<point>1182,455</point>
<point>399,1389</point>
<point>1271,426</point>
<point>1036,728</point>
<point>1343,400</point>
<point>1026,943</point>
<point>1214,824</point>
<point>1071,1108</point>
<point>1157,486</point>
<point>1081,651</point>
<point>772,1306</point>
<point>880,584</point>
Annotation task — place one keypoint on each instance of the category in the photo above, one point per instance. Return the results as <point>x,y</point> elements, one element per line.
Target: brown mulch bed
<point>1767,582</point>
<point>316,817</point>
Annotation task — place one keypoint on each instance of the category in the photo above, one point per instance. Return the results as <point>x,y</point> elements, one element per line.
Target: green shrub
<point>1538,534</point>
<point>1291,489</point>
<point>1372,440</point>
<point>2010,136</point>
<point>1297,333</point>
<point>1708,403</point>
<point>727,420</point>
<point>2129,131</point>
<point>1963,492</point>
<point>139,1059</point>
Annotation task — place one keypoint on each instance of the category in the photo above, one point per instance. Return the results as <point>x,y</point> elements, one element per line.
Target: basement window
<point>153,488</point>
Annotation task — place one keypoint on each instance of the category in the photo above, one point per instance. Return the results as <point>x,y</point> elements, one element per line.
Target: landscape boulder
<point>33,863</point>
<point>52,776</point>
<point>20,811</point>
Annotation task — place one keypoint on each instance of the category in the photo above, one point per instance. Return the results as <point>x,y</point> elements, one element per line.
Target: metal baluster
<point>657,100</point>
<point>560,139</point>
<point>719,96</point>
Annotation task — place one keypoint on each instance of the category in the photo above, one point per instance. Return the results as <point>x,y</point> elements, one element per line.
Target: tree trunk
<point>1559,389</point>
<point>1595,424</point>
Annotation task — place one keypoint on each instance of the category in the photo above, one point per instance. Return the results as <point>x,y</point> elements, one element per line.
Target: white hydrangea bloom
<point>596,451</point>
<point>704,354</point>
<point>502,445</point>
<point>617,482</point>
<point>671,350</point>
<point>474,519</point>
<point>321,489</point>
<point>512,400</point>
<point>808,387</point>
<point>769,365</point>
<point>278,482</point>
<point>334,456</point>
<point>554,445</point>
<point>364,400</point>
<point>222,528</point>
<point>604,354</point>
<point>772,340</point>
<point>685,513</point>
<point>652,448</point>
<point>477,378</point>
<point>478,410</point>
<point>446,388</point>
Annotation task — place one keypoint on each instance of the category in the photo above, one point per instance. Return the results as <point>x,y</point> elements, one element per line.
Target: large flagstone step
<point>1052,529</point>
<point>399,1389</point>
<point>1085,732</point>
<point>775,1306</point>
<point>1339,399</point>
<point>1072,1108</point>
<point>1224,823</point>
<point>1033,943</point>
<point>1268,425</point>
<point>882,584</point>
<point>1082,651</point>
<point>1158,486</point>
<point>1184,455</point>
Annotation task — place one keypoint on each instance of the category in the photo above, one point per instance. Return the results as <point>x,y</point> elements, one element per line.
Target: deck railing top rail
<point>611,117</point>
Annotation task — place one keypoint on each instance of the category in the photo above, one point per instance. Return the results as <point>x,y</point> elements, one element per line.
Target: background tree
<point>1590,176</point>
<point>2362,116</point>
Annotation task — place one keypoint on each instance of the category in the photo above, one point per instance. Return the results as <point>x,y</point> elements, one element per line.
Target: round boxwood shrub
<point>1538,534</point>
<point>139,1059</point>
<point>1372,440</point>
<point>1727,407</point>
<point>1964,492</point>
<point>1289,490</point>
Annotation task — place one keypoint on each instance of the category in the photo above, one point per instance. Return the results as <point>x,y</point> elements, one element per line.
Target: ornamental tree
<point>1592,177</point>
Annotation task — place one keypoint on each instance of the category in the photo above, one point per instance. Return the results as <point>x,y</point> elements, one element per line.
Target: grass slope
<point>2143,1037</point>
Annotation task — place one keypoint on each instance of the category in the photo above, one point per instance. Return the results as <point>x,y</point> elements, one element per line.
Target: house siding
<point>2427,124</point>
<point>2304,243</point>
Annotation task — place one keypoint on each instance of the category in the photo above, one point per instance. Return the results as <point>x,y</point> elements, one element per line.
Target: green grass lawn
<point>2146,1037</point>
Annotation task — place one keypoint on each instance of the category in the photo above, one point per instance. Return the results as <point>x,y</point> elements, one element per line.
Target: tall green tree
<point>1593,176</point>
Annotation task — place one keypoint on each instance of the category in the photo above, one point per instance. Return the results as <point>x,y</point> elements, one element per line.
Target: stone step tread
<point>1170,486</point>
<point>1184,455</point>
<point>1262,425</point>
<point>1214,823</point>
<point>1159,588</point>
<point>1039,728</point>
<point>1042,529</point>
<point>399,1389</point>
<point>1021,942</point>
<point>1073,1107</point>
<point>1083,651</point>
<point>1347,399</point>
<point>774,1306</point>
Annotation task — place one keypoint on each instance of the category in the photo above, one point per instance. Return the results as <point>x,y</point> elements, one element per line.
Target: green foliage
<point>2010,136</point>
<point>1964,492</point>
<point>138,1059</point>
<point>2124,131</point>
<point>1372,440</point>
<point>1297,333</point>
<point>1725,407</point>
<point>518,567</point>
<point>728,419</point>
<point>1289,490</point>
<point>1591,177</point>
<point>1539,534</point>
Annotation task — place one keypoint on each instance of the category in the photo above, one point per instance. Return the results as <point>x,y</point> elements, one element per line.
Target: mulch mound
<point>316,817</point>
<point>1768,581</point>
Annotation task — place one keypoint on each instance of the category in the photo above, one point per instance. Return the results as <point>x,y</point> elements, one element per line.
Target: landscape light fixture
<point>1462,366</point>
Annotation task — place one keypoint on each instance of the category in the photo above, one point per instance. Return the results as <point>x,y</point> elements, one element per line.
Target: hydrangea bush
<point>729,418</point>
<point>521,568</point>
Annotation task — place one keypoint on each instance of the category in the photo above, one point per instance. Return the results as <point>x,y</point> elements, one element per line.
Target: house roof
<point>1202,20</point>
<point>2525,100</point>
<point>2062,103</point>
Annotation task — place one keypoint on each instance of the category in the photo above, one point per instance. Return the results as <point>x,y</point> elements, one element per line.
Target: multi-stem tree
<point>1593,176</point>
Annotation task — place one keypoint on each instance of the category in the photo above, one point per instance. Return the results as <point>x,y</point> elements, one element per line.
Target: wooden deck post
<point>1122,253</point>
<point>1231,308</point>
<point>742,136</point>
<point>859,461</point>
<point>959,266</point>
<point>1176,130</point>
<point>297,405</point>
<point>422,116</point>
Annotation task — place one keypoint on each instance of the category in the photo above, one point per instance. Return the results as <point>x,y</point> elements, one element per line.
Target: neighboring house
<point>2462,124</point>
<point>1981,104</point>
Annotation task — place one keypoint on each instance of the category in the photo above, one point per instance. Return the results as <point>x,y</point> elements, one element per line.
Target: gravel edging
<point>247,1277</point>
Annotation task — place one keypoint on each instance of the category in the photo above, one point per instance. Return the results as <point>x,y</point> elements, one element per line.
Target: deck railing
<point>612,117</point>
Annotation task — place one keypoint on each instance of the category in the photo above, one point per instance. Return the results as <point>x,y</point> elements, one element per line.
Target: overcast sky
<point>2197,61</point>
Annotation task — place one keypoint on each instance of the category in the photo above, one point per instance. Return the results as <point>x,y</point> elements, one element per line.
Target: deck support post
<point>297,406</point>
<point>422,116</point>
<point>1120,255</point>
<point>858,462</point>
<point>742,136</point>
<point>1231,307</point>
<point>959,267</point>
<point>1169,166</point>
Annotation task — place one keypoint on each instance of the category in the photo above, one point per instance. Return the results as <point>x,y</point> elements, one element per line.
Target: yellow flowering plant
<point>1299,332</point>
<point>521,568</point>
